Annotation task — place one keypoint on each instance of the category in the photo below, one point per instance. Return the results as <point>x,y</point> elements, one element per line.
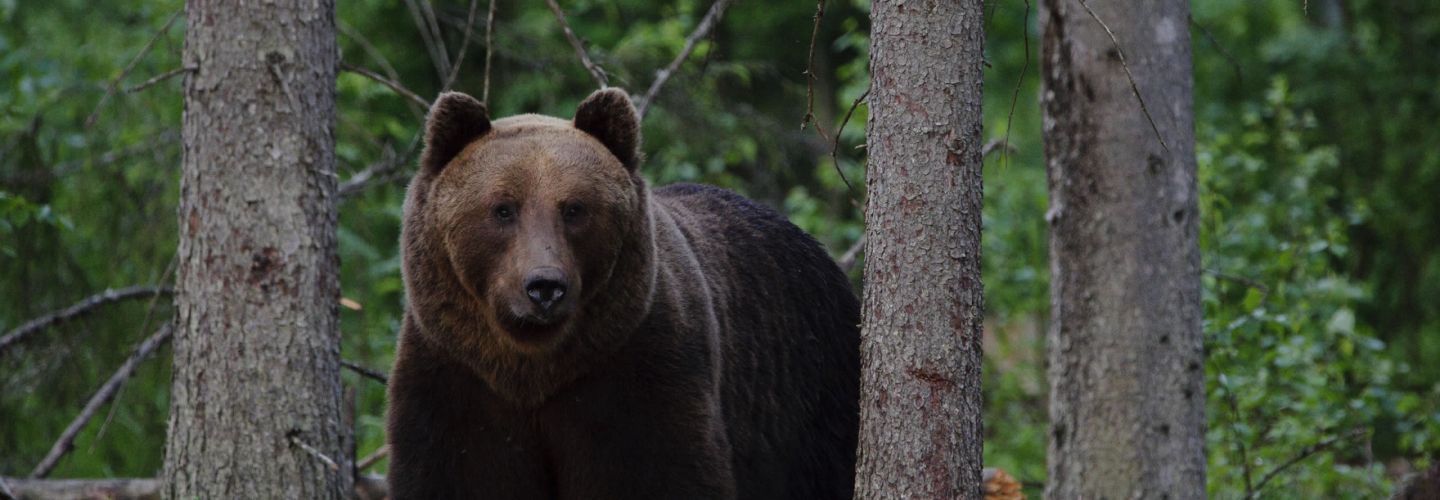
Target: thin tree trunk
<point>257,373</point>
<point>1126,360</point>
<point>920,349</point>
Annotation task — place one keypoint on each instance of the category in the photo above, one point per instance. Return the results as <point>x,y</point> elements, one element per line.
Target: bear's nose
<point>546,287</point>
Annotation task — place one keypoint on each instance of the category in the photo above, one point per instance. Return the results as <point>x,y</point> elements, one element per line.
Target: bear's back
<point>791,378</point>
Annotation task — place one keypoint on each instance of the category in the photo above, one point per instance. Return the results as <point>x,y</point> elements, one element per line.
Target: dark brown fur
<point>710,348</point>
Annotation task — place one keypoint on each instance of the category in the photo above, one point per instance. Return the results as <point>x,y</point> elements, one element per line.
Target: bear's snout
<point>546,287</point>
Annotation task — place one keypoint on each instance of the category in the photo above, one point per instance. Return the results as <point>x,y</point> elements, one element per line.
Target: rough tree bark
<point>1125,345</point>
<point>257,373</point>
<point>920,348</point>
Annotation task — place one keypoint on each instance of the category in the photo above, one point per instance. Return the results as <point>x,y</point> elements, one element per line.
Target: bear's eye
<point>573,212</point>
<point>505,212</point>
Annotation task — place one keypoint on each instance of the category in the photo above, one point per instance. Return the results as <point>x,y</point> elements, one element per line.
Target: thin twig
<point>101,397</point>
<point>1126,66</point>
<point>366,372</point>
<point>369,49</point>
<point>294,437</point>
<point>437,56</point>
<point>157,79</point>
<point>395,86</point>
<point>1305,453</point>
<point>712,18</point>
<point>464,44</point>
<point>847,260</point>
<point>430,20</point>
<point>836,146</point>
<point>1010,120</point>
<point>594,69</point>
<point>1264,290</point>
<point>80,309</point>
<point>380,172</point>
<point>1239,72</point>
<point>489,44</point>
<point>810,80</point>
<point>5,492</point>
<point>115,83</point>
<point>996,145</point>
<point>372,459</point>
<point>150,144</point>
<point>1239,440</point>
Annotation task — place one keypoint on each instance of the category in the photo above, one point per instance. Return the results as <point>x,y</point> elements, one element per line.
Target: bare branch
<point>489,44</point>
<point>834,148</point>
<point>1240,443</point>
<point>810,80</point>
<point>996,145</point>
<point>1014,99</point>
<point>367,487</point>
<point>1305,453</point>
<point>366,372</point>
<point>594,69</point>
<point>1131,76</point>
<point>438,56</point>
<point>157,79</point>
<point>712,18</point>
<point>373,458</point>
<point>294,437</point>
<point>101,397</point>
<point>847,260</point>
<point>395,86</point>
<point>385,170</point>
<point>1239,73</point>
<point>55,489</point>
<point>148,145</point>
<point>369,49</point>
<point>115,83</point>
<point>80,309</point>
<point>464,44</point>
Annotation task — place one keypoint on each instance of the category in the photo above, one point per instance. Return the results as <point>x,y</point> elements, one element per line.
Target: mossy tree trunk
<point>920,434</point>
<point>257,345</point>
<point>1126,355</point>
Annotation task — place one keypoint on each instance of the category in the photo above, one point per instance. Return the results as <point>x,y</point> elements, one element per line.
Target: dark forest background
<point>1317,158</point>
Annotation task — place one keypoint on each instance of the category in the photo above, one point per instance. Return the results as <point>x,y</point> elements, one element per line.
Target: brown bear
<point>573,334</point>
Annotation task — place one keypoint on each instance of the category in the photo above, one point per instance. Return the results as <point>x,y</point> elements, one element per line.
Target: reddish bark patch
<point>935,380</point>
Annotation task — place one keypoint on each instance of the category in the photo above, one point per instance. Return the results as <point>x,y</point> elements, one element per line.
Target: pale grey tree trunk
<point>256,340</point>
<point>1126,355</point>
<point>920,349</point>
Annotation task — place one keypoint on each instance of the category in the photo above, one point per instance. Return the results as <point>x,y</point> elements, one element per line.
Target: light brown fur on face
<point>475,264</point>
<point>565,194</point>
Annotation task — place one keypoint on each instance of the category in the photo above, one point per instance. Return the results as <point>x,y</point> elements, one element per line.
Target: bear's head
<point>527,241</point>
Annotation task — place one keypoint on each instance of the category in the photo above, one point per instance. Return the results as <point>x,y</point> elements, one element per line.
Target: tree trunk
<point>1126,360</point>
<point>920,348</point>
<point>257,373</point>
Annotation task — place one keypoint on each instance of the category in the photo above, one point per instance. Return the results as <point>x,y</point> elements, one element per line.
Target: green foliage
<point>1290,366</point>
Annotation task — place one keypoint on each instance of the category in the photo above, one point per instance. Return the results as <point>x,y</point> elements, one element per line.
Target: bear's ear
<point>609,116</point>
<point>455,121</point>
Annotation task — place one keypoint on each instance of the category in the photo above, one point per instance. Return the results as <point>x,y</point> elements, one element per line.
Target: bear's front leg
<point>619,437</point>
<point>450,437</point>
